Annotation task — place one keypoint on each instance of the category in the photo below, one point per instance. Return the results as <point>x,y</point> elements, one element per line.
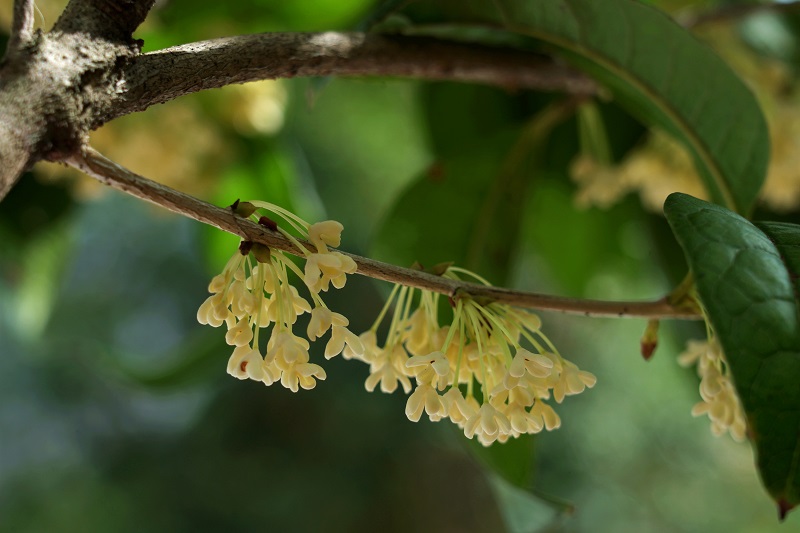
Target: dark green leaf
<point>512,460</point>
<point>522,511</point>
<point>786,238</point>
<point>658,69</point>
<point>745,284</point>
<point>468,207</point>
<point>440,218</point>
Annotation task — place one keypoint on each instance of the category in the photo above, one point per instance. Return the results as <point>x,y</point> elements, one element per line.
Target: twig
<point>158,77</point>
<point>108,19</point>
<point>106,171</point>
<point>734,12</point>
<point>22,26</point>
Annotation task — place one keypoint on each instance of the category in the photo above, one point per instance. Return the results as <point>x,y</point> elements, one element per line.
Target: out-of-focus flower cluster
<point>720,401</point>
<point>661,165</point>
<point>490,370</point>
<point>254,292</point>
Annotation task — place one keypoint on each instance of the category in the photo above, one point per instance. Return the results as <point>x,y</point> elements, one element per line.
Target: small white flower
<point>428,367</point>
<point>487,422</point>
<point>240,334</point>
<point>521,420</point>
<point>388,376</point>
<point>425,398</point>
<point>458,408</point>
<point>323,269</point>
<point>571,381</point>
<point>545,413</point>
<point>320,323</point>
<point>302,375</point>
<point>328,232</point>
<point>369,345</point>
<point>206,313</point>
<point>245,362</point>
<point>418,339</point>
<point>340,336</point>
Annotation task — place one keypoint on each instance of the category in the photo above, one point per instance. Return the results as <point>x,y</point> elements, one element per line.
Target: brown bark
<point>161,76</point>
<point>113,175</point>
<point>52,86</point>
<point>56,87</point>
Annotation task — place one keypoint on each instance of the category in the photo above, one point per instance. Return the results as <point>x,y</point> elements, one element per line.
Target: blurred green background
<point>116,413</point>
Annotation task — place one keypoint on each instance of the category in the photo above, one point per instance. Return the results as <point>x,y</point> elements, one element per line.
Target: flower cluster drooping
<point>491,370</point>
<point>253,292</point>
<point>720,401</point>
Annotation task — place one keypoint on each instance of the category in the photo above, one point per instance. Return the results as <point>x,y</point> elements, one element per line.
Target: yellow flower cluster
<point>720,401</point>
<point>498,369</point>
<point>253,292</point>
<point>491,370</point>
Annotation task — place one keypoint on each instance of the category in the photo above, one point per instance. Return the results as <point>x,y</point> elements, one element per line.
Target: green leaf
<point>786,238</point>
<point>522,511</point>
<point>656,68</point>
<point>468,207</point>
<point>746,284</point>
<point>513,460</point>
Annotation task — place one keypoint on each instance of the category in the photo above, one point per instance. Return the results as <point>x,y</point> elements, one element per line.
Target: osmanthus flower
<point>254,292</point>
<point>720,401</point>
<point>490,370</point>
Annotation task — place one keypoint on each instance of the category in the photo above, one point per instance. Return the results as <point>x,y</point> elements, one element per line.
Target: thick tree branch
<point>114,20</point>
<point>21,26</point>
<point>54,86</point>
<point>109,173</point>
<point>161,76</point>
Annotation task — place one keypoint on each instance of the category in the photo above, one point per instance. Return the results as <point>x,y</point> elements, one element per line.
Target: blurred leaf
<point>450,127</point>
<point>43,265</point>
<point>33,207</point>
<point>653,66</point>
<point>437,218</point>
<point>748,293</point>
<point>194,363</point>
<point>513,460</point>
<point>382,15</point>
<point>585,241</point>
<point>457,212</point>
<point>359,143</point>
<point>522,511</point>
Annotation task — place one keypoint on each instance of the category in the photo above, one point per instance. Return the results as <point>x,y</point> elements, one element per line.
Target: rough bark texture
<point>56,87</point>
<point>161,76</point>
<point>112,20</point>
<point>22,25</point>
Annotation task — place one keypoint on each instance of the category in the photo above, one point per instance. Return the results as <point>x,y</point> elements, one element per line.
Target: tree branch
<point>115,20</point>
<point>732,12</point>
<point>21,26</point>
<point>161,76</point>
<point>54,85</point>
<point>96,165</point>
